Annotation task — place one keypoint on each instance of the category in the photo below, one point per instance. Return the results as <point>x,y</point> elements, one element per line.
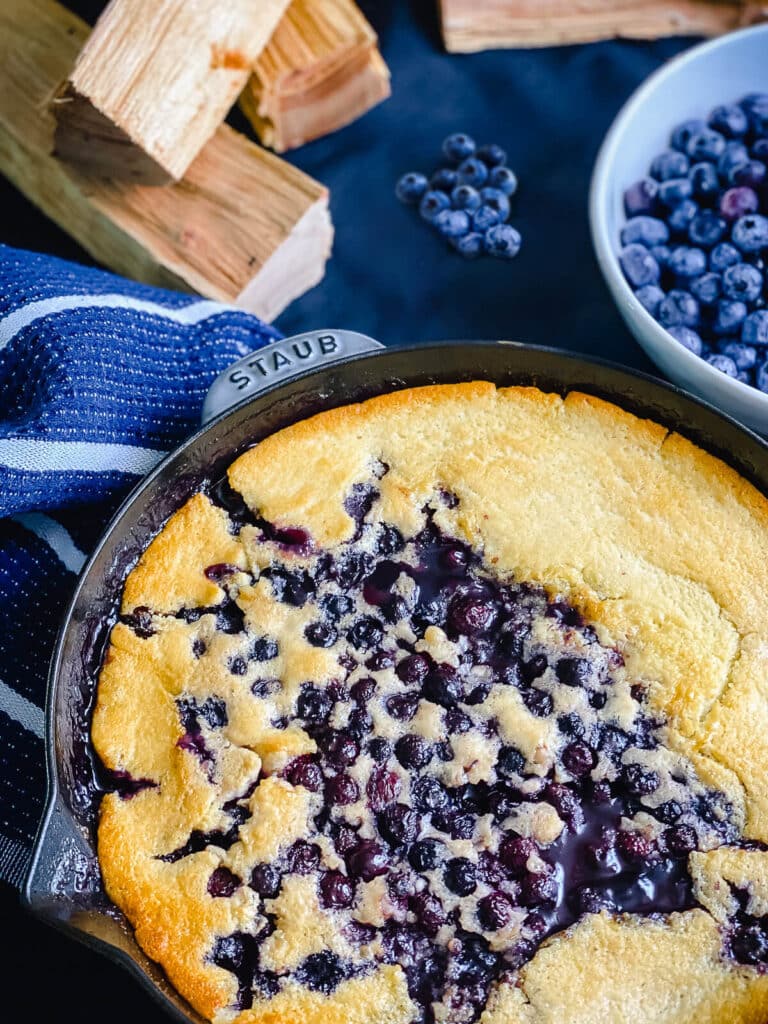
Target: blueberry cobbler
<point>449,707</point>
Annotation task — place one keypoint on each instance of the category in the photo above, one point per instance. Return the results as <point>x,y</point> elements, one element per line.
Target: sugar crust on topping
<point>661,547</point>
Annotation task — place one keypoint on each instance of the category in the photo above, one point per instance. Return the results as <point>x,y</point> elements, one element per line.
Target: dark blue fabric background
<point>390,277</point>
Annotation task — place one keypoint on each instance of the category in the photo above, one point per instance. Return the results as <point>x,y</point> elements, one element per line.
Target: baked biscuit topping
<point>369,776</point>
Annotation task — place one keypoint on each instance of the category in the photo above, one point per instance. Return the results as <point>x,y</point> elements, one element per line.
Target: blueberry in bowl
<point>686,182</point>
<point>434,703</point>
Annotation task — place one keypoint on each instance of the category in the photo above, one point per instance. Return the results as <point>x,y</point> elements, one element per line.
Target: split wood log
<point>319,72</point>
<point>471,25</point>
<point>155,80</point>
<point>243,226</point>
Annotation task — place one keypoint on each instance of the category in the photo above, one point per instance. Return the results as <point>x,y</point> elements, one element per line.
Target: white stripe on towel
<point>21,710</point>
<point>35,456</point>
<point>56,537</point>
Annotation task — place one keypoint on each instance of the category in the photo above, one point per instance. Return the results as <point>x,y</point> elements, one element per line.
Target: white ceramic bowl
<point>690,85</point>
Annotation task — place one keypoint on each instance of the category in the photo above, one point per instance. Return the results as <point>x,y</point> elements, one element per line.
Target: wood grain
<point>320,71</point>
<point>471,25</point>
<point>243,226</point>
<point>154,81</point>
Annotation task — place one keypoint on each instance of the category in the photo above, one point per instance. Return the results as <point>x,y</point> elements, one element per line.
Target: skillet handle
<point>279,362</point>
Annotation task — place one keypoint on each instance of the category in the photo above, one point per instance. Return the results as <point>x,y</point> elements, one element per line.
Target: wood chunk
<point>243,226</point>
<point>320,71</point>
<point>155,80</point>
<point>472,25</point>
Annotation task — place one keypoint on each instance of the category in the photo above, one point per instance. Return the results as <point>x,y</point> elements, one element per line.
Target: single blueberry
<point>686,262</point>
<point>670,164</point>
<point>321,972</point>
<point>398,824</point>
<point>426,854</point>
<point>432,203</point>
<point>750,233</point>
<point>661,254</point>
<point>510,762</point>
<point>336,890</point>
<point>738,202</point>
<point>755,328</point>
<point>460,876</point>
<point>413,751</point>
<point>411,187</point>
<point>492,155</point>
<point>723,363</point>
<point>688,338</point>
<point>730,120</point>
<point>496,199</point>
<point>722,256</point>
<point>681,216</point>
<point>320,634</point>
<point>458,147</point>
<point>368,860</point>
<point>464,197</point>
<point>470,246</point>
<point>729,316</point>
<point>647,231</point>
<point>752,174</point>
<point>745,376</point>
<point>734,154</point>
<point>761,377</point>
<point>649,296</point>
<point>383,788</point>
<point>707,288</point>
<point>705,145</point>
<point>683,133</point>
<point>760,150</point>
<point>749,944</point>
<point>742,281</point>
<point>639,266</point>
<point>679,308</point>
<point>495,911</point>
<point>365,632</point>
<point>756,109</point>
<point>745,356</point>
<point>452,223</point>
<point>472,172</point>
<point>504,179</point>
<point>704,181</point>
<point>641,198</point>
<point>313,705</point>
<point>572,671</point>
<point>706,229</point>
<point>674,190</point>
<point>265,880</point>
<point>640,781</point>
<point>483,218</point>
<point>445,179</point>
<point>503,241</point>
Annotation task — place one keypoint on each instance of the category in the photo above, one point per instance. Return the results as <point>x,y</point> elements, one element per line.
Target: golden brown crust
<point>662,547</point>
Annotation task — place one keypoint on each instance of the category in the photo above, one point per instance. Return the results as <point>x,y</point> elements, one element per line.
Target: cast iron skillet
<point>63,885</point>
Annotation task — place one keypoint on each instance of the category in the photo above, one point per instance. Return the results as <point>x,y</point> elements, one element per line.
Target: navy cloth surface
<point>388,277</point>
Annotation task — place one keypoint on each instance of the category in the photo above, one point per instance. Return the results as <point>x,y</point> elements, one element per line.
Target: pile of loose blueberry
<point>467,199</point>
<point>695,244</point>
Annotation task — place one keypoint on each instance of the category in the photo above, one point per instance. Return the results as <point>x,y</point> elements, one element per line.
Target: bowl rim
<point>599,197</point>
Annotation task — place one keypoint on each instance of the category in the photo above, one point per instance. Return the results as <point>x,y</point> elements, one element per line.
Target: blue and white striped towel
<point>99,378</point>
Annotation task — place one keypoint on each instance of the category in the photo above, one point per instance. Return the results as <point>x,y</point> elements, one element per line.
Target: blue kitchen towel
<point>99,378</point>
